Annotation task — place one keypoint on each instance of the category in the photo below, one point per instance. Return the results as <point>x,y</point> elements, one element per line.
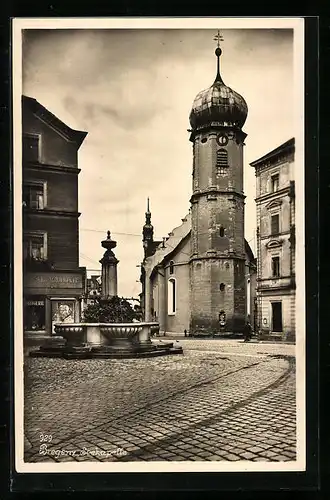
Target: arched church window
<point>222,232</point>
<point>171,267</point>
<point>222,287</point>
<point>171,296</point>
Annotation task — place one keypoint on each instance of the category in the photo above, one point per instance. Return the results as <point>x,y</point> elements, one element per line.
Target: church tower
<point>217,262</point>
<point>148,234</point>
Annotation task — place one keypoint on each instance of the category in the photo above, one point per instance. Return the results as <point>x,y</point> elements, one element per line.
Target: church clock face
<point>222,140</point>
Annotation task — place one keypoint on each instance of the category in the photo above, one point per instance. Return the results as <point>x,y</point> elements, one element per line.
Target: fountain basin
<point>104,340</point>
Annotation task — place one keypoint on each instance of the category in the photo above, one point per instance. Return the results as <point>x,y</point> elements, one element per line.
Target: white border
<point>296,23</point>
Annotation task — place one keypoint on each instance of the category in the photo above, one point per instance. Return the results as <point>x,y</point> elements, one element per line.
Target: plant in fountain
<point>112,310</point>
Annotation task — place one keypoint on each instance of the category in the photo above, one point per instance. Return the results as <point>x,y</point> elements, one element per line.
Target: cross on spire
<point>218,51</point>
<point>218,38</point>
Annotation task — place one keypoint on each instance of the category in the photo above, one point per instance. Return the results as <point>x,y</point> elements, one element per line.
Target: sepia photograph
<point>159,244</point>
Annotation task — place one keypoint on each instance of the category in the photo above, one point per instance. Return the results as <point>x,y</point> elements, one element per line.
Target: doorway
<point>277,317</point>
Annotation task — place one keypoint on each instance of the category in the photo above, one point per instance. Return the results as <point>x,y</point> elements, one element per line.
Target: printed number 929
<point>45,438</point>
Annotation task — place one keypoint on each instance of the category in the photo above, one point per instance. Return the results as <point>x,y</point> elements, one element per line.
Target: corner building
<point>201,277</point>
<point>53,281</point>
<point>275,200</point>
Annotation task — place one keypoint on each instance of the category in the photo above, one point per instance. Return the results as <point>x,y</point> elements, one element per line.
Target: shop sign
<point>35,302</point>
<point>53,280</point>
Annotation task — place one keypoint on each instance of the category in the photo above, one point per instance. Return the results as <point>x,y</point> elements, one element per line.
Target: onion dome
<point>218,105</point>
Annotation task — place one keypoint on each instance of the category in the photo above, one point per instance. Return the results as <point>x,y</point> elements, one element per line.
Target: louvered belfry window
<point>222,161</point>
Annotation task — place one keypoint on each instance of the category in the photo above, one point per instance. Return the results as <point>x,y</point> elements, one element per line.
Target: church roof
<point>248,251</point>
<point>218,105</point>
<point>166,248</point>
<point>165,251</point>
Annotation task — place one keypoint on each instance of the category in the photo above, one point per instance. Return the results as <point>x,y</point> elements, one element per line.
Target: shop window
<point>171,267</point>
<point>35,247</point>
<point>30,148</point>
<point>275,267</point>
<point>275,224</point>
<point>34,196</point>
<point>63,312</point>
<point>34,315</point>
<point>171,296</point>
<point>275,182</point>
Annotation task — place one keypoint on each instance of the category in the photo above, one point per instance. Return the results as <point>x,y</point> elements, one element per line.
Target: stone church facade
<point>202,277</point>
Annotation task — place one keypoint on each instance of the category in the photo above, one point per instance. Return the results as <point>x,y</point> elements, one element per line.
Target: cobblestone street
<point>221,400</point>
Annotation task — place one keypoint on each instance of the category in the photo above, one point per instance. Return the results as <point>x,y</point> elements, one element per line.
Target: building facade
<point>275,203</point>
<point>200,278</point>
<point>53,281</point>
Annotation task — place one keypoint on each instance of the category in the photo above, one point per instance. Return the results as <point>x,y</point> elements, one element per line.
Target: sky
<point>132,91</point>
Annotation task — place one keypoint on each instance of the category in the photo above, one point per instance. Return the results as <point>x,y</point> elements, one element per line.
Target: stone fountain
<point>106,339</point>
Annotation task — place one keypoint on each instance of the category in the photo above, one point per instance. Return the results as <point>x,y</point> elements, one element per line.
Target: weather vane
<point>218,38</point>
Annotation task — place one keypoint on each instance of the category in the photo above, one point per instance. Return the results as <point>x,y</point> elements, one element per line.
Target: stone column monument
<point>109,268</point>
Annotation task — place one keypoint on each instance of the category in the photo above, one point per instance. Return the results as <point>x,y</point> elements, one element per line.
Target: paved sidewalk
<point>222,400</point>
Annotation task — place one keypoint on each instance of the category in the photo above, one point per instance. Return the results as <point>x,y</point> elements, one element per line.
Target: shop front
<point>52,297</point>
<point>34,314</point>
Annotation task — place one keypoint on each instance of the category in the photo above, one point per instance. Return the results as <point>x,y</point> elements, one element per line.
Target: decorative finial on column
<point>109,243</point>
<point>218,37</point>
